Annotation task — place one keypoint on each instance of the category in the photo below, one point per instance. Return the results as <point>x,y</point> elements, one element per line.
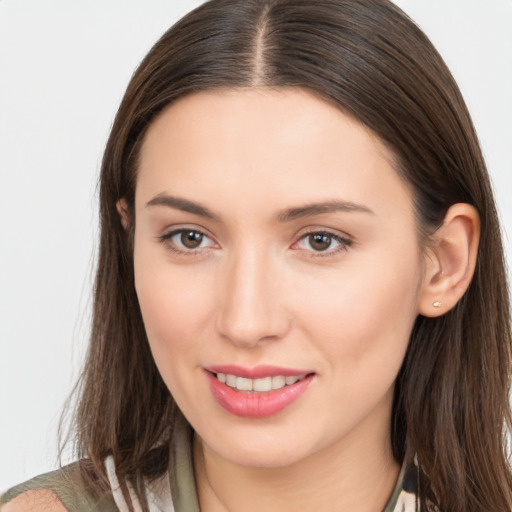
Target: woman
<point>301,299</point>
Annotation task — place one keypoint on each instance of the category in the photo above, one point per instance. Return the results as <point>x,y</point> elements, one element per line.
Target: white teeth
<point>262,385</point>
<point>278,382</point>
<point>243,384</point>
<point>231,380</point>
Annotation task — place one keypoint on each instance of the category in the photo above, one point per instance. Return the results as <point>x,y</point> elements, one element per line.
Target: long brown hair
<point>451,406</point>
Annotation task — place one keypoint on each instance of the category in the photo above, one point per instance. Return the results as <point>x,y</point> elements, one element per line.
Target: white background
<point>63,69</point>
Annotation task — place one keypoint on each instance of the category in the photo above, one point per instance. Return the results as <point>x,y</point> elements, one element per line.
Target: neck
<point>358,474</point>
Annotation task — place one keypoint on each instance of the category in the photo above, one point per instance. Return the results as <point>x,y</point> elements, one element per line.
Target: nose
<point>251,306</point>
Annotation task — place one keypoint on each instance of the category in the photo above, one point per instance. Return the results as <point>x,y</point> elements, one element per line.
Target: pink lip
<point>258,372</point>
<point>252,404</point>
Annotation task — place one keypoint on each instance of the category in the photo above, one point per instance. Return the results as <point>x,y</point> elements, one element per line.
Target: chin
<point>256,457</point>
<point>255,448</point>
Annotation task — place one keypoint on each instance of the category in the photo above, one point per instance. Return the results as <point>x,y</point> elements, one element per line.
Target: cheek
<point>174,310</point>
<point>363,317</point>
<point>174,304</point>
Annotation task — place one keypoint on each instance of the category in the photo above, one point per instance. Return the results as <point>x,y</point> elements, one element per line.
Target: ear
<point>450,260</point>
<point>122,209</point>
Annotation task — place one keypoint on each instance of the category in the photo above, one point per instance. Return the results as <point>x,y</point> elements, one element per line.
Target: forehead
<point>279,144</point>
<point>262,115</point>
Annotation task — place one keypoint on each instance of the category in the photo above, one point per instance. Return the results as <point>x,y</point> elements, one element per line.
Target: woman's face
<point>278,272</point>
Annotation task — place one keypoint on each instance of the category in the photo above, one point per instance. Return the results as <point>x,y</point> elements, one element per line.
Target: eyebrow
<point>184,205</point>
<point>283,216</point>
<point>309,210</point>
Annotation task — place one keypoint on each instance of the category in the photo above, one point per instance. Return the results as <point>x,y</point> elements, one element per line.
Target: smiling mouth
<point>257,392</point>
<point>261,385</point>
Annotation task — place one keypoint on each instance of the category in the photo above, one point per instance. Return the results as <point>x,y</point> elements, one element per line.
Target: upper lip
<point>257,372</point>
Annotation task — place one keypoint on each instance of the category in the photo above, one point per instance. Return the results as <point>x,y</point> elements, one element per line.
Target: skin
<point>42,500</point>
<point>258,291</point>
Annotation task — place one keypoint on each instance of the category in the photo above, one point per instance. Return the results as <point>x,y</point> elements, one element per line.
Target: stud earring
<point>436,304</point>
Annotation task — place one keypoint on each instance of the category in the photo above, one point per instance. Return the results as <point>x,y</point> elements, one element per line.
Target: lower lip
<point>256,405</point>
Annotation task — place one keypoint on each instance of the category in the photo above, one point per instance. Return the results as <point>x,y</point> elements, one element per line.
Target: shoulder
<point>35,501</point>
<point>57,491</point>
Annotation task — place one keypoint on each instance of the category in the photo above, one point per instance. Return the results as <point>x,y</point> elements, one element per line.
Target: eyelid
<point>345,241</point>
<point>166,239</point>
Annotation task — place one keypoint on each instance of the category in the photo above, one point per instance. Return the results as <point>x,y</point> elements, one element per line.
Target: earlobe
<point>451,260</point>
<point>122,209</point>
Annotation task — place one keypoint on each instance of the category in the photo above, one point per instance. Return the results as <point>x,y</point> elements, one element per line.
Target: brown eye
<point>187,241</point>
<point>320,241</point>
<point>191,239</point>
<point>323,242</point>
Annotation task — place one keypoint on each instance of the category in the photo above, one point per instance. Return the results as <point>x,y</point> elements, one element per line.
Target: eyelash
<point>166,239</point>
<point>344,243</point>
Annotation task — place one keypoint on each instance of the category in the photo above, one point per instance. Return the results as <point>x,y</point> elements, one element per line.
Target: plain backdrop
<point>63,69</point>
